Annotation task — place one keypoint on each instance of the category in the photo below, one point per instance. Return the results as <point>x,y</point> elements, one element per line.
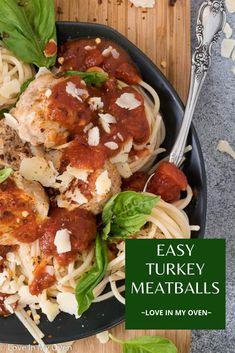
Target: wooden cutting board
<point>163,33</point>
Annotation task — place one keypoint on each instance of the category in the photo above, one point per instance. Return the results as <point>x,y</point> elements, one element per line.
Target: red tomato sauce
<point>75,113</point>
<point>50,48</point>
<point>168,182</point>
<point>83,54</point>
<point>82,226</point>
<point>41,279</point>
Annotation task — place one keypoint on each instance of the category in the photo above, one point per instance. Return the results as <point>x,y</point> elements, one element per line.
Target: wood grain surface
<point>163,33</point>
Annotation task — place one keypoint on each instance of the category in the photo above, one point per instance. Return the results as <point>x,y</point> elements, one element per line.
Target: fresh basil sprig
<point>123,215</point>
<point>4,174</point>
<point>126,213</point>
<point>146,344</point>
<point>26,28</point>
<point>91,78</point>
<point>90,279</point>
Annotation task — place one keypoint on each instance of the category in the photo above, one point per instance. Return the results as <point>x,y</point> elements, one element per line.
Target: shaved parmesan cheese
<point>51,310</point>
<point>26,298</point>
<point>128,146</point>
<point>42,71</point>
<point>65,179</point>
<point>80,174</point>
<point>88,127</point>
<point>68,303</point>
<point>103,337</point>
<point>62,241</point>
<point>94,136</point>
<point>10,89</point>
<point>225,147</point>
<point>108,118</point>
<point>95,103</point>
<point>105,120</point>
<point>88,47</point>
<point>120,136</point>
<point>115,53</point>
<point>76,196</point>
<point>50,270</point>
<point>128,101</point>
<point>106,52</point>
<point>230,4</point>
<point>37,169</point>
<point>227,47</point>
<point>48,93</point>
<point>228,31</point>
<point>11,121</point>
<point>143,3</point>
<point>111,145</point>
<point>103,183</point>
<point>75,92</point>
<point>11,299</point>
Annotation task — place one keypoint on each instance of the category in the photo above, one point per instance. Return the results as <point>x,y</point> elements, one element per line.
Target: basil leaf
<point>90,279</point>
<point>126,213</point>
<point>91,78</point>
<point>26,84</point>
<point>26,27</point>
<point>147,344</point>
<point>4,174</point>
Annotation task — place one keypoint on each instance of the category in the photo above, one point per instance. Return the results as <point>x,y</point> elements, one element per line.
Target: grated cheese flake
<point>103,337</point>
<point>225,147</point>
<point>228,30</point>
<point>128,101</point>
<point>106,52</point>
<point>48,93</point>
<point>111,145</point>
<point>95,103</point>
<point>11,121</point>
<point>105,120</point>
<point>62,241</point>
<point>230,4</point>
<point>75,92</point>
<point>94,136</point>
<point>143,3</point>
<point>68,304</point>
<point>103,183</point>
<point>227,47</point>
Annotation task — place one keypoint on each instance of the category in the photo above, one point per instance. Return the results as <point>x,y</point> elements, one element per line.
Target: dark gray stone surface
<point>214,120</point>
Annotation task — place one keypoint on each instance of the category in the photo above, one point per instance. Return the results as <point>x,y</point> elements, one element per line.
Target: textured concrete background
<point>214,120</point>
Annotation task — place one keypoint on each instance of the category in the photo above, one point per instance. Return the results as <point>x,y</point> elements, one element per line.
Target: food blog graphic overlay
<point>175,284</point>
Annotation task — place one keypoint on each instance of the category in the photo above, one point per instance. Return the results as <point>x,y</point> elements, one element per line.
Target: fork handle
<point>210,23</point>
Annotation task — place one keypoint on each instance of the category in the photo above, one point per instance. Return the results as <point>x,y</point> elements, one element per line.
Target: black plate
<point>104,315</point>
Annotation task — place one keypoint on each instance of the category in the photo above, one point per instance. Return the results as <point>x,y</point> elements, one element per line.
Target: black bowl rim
<point>178,102</point>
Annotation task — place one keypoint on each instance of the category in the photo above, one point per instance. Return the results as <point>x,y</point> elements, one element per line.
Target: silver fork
<point>210,23</point>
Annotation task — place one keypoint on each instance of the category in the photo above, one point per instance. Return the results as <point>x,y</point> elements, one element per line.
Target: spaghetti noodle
<point>13,73</point>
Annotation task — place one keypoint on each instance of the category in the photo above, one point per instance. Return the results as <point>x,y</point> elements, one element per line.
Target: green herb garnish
<point>4,174</point>
<point>126,213</point>
<point>146,344</point>
<point>91,78</point>
<point>26,28</point>
<point>90,279</point>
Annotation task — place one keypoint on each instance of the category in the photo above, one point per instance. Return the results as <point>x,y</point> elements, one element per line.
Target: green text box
<point>193,284</point>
